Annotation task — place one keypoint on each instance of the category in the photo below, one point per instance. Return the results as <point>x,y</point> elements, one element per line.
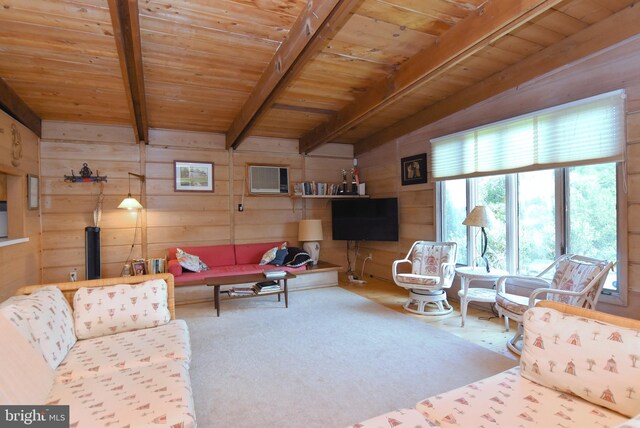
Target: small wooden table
<point>218,281</point>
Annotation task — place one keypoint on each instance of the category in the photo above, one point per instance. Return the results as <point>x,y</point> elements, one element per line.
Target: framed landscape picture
<point>414,169</point>
<point>193,176</point>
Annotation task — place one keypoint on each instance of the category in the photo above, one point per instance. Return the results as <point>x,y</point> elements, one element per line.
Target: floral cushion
<point>597,361</point>
<point>190,261</point>
<point>409,418</point>
<point>101,311</point>
<point>512,302</point>
<point>427,258</point>
<point>12,313</point>
<point>104,355</point>
<point>50,324</point>
<point>148,396</point>
<point>410,278</point>
<point>269,256</point>
<point>571,275</point>
<point>509,400</point>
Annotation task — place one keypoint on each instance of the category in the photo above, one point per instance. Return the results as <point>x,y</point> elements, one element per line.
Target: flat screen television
<point>365,219</point>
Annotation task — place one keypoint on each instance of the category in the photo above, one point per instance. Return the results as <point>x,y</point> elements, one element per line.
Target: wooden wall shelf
<point>329,196</point>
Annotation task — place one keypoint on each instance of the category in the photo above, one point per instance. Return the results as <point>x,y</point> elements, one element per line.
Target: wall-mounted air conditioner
<point>270,180</point>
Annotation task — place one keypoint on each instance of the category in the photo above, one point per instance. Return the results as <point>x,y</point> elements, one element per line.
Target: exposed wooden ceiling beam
<point>488,23</point>
<point>599,36</point>
<point>126,30</point>
<point>11,103</point>
<point>319,21</point>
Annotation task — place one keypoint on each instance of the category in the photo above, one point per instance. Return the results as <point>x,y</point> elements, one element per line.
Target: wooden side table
<point>476,294</point>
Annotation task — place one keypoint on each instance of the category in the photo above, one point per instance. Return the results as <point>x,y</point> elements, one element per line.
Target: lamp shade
<point>310,230</point>
<point>480,216</point>
<point>130,203</point>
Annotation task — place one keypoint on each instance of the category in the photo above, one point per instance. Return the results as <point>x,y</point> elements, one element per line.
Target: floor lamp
<point>480,217</point>
<point>131,203</point>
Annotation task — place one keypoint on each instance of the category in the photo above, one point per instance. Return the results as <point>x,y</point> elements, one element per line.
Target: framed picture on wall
<point>193,176</point>
<point>414,169</point>
<point>33,192</point>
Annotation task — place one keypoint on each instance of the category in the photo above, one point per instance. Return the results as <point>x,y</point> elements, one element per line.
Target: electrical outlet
<point>73,275</point>
<point>370,256</point>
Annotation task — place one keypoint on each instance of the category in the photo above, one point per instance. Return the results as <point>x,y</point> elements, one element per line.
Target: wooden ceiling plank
<point>319,21</point>
<point>469,36</point>
<point>11,103</point>
<point>126,28</point>
<point>602,35</point>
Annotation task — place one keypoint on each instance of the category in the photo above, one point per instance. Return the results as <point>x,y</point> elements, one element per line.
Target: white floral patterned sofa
<point>118,358</point>
<point>579,368</point>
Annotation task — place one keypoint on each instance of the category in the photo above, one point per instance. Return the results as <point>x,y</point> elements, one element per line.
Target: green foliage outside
<point>592,216</point>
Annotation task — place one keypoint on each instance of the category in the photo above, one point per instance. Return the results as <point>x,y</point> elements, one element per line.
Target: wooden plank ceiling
<point>359,71</point>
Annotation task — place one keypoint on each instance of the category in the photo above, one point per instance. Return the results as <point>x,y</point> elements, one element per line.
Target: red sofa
<point>224,260</point>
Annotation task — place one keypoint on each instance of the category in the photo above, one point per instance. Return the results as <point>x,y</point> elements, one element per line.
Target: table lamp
<point>480,217</point>
<point>310,232</point>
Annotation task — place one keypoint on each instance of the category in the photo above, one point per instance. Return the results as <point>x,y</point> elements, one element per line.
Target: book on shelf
<point>274,273</point>
<point>155,265</point>
<point>242,291</point>
<point>307,188</point>
<point>266,287</point>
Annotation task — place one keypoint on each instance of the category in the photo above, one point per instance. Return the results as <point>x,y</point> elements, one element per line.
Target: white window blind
<point>585,131</point>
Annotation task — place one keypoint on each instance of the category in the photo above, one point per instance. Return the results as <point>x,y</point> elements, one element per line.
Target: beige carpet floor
<point>330,360</point>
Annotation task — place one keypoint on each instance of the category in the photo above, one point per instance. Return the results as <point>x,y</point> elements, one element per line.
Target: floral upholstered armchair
<point>432,270</point>
<point>576,281</point>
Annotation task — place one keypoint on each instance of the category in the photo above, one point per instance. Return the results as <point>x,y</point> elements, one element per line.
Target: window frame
<point>618,297</point>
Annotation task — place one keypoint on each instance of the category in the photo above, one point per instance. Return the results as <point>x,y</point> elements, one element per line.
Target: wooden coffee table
<point>217,282</point>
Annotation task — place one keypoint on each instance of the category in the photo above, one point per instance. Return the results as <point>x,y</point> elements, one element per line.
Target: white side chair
<point>432,271</point>
<point>576,281</point>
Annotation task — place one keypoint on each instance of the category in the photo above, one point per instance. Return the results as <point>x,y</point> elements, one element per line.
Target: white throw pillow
<point>594,360</point>
<point>101,311</point>
<point>50,323</point>
<point>269,256</point>
<point>190,261</point>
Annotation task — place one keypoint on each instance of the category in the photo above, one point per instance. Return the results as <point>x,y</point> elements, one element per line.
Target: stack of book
<point>242,291</point>
<point>266,287</point>
<point>156,265</point>
<point>271,274</point>
<point>313,188</point>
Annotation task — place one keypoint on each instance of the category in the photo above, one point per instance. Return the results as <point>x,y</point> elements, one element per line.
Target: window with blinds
<point>581,132</point>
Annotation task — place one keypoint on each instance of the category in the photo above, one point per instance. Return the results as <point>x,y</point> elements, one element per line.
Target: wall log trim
<point>608,32</point>
<point>11,103</point>
<point>126,28</point>
<point>469,36</point>
<point>319,21</point>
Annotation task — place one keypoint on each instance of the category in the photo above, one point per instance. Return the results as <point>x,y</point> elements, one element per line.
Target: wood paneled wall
<point>20,263</point>
<point>170,218</point>
<point>611,69</point>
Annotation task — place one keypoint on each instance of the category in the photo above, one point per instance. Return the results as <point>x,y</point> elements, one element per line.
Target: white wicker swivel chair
<point>432,270</point>
<point>576,281</point>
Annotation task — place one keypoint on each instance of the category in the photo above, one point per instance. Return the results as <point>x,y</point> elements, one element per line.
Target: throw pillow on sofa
<point>296,258</point>
<point>101,311</point>
<point>280,256</point>
<point>49,320</point>
<point>190,261</point>
<point>597,361</point>
<point>270,255</point>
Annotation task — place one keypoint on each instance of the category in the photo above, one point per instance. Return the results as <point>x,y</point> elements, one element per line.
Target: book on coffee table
<point>274,273</point>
